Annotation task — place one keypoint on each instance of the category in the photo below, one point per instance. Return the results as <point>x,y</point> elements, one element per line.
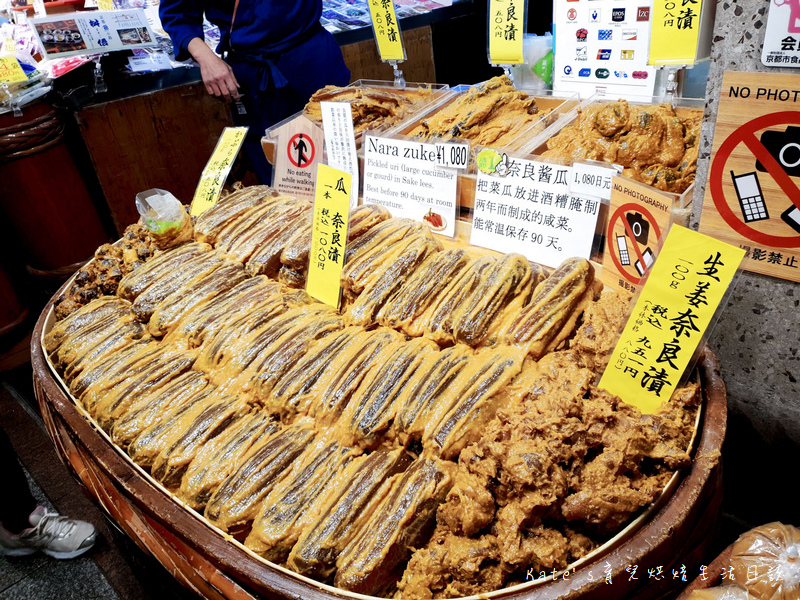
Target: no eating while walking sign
<point>752,198</point>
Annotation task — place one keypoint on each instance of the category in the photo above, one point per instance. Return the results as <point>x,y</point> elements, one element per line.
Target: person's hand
<point>217,75</point>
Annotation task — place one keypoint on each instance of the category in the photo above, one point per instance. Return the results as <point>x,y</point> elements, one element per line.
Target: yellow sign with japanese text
<point>677,303</point>
<point>10,71</point>
<point>387,31</point>
<point>217,169</point>
<point>674,32</point>
<point>329,235</point>
<point>506,27</point>
<point>105,4</point>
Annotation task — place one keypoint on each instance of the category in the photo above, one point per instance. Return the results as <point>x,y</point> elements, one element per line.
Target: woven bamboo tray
<point>676,531</point>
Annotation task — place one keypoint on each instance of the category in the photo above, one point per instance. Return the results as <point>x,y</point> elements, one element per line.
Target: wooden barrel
<point>44,196</point>
<point>211,563</point>
<point>712,577</point>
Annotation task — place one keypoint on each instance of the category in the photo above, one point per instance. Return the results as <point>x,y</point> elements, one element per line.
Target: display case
<point>685,109</point>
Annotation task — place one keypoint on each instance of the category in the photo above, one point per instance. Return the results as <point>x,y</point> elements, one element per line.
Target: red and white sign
<point>752,198</point>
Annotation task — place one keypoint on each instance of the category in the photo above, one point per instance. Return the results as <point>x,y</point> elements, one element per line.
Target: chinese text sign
<point>677,303</point>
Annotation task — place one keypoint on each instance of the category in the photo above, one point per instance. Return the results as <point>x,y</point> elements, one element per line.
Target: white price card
<point>403,177</point>
<point>452,154</point>
<point>529,209</point>
<point>592,180</point>
<point>340,142</point>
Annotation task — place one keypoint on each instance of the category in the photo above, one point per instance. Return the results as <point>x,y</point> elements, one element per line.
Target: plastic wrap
<point>165,217</point>
<point>766,560</point>
<point>725,592</point>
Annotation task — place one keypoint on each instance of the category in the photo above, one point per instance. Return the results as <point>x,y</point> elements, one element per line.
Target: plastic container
<point>439,91</point>
<point>683,107</point>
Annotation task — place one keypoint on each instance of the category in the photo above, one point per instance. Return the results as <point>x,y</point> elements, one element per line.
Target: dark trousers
<point>275,87</point>
<point>16,501</point>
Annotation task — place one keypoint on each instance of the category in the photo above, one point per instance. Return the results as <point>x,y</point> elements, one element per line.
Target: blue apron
<point>277,85</point>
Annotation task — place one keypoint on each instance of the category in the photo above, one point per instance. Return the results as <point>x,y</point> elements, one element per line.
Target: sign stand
<point>506,27</point>
<point>388,37</point>
<point>12,101</point>
<point>399,80</point>
<point>100,85</point>
<point>680,36</point>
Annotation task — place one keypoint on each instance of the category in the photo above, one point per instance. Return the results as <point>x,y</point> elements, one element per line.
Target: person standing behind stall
<point>276,54</point>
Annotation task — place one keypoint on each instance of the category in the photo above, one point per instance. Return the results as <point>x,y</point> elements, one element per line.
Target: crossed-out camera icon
<point>784,146</point>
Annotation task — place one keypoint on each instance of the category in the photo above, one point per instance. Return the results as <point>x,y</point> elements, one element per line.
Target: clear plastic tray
<point>439,91</point>
<point>683,107</point>
<point>552,105</point>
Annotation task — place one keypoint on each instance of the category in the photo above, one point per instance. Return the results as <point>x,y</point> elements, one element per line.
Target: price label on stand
<point>592,180</point>
<point>10,71</point>
<point>506,27</point>
<point>217,169</point>
<point>340,141</point>
<point>329,235</point>
<point>677,303</point>
<point>452,155</point>
<point>526,206</point>
<point>403,176</point>
<point>674,32</point>
<point>387,30</point>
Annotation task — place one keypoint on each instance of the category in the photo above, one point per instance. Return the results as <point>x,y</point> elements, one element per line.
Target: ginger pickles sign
<point>676,306</point>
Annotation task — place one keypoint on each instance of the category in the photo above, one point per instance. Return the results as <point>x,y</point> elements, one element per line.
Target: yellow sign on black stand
<point>329,235</point>
<point>677,303</point>
<point>674,32</point>
<point>506,27</point>
<point>387,30</point>
<point>217,169</point>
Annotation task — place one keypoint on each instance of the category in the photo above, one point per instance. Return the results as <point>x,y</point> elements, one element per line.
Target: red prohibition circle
<point>746,134</point>
<point>609,234</point>
<point>290,148</point>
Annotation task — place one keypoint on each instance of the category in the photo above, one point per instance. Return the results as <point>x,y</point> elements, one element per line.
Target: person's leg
<point>16,501</point>
<point>250,103</point>
<point>26,528</point>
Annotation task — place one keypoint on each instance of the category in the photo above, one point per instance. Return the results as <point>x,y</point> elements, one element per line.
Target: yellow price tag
<point>674,32</point>
<point>217,169</point>
<point>11,71</point>
<point>670,318</point>
<point>329,235</point>
<point>506,26</point>
<point>387,31</point>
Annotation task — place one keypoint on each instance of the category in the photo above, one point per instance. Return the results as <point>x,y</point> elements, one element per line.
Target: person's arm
<point>183,21</point>
<point>217,75</point>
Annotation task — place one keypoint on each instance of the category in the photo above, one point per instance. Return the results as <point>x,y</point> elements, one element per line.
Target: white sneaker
<point>53,534</point>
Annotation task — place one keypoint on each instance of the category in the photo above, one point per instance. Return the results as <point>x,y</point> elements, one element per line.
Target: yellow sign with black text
<point>674,32</point>
<point>387,30</point>
<point>506,28</point>
<point>217,169</point>
<point>10,71</point>
<point>329,235</point>
<point>677,303</point>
